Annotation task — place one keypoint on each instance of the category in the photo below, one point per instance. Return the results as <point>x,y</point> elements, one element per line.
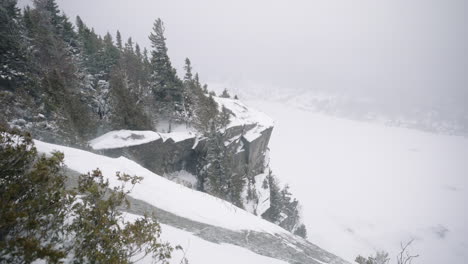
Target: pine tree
<point>41,220</point>
<point>301,231</point>
<point>118,38</point>
<point>126,114</point>
<point>284,210</point>
<point>12,50</point>
<point>55,77</point>
<point>100,232</point>
<point>166,86</point>
<point>34,202</point>
<point>225,94</point>
<point>218,177</point>
<point>138,52</point>
<point>188,71</point>
<point>273,214</point>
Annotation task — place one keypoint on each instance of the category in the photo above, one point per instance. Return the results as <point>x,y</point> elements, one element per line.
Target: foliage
<point>284,210</point>
<point>225,94</point>
<point>34,202</point>
<point>218,177</point>
<point>101,235</point>
<point>41,219</point>
<point>381,257</point>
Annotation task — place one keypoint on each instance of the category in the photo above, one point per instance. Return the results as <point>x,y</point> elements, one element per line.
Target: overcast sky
<point>416,49</point>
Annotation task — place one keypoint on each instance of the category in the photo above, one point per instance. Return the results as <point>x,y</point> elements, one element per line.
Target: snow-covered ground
<point>163,193</point>
<point>367,187</point>
<point>200,251</point>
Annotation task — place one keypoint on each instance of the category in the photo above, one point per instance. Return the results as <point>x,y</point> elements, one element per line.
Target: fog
<point>398,52</point>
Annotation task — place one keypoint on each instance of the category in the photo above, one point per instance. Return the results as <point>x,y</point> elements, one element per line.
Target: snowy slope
<point>365,187</point>
<point>163,193</point>
<point>199,251</point>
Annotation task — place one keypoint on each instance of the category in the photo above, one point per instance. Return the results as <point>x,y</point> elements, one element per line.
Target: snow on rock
<point>177,136</point>
<point>163,193</point>
<point>263,194</point>
<point>242,115</point>
<point>123,138</point>
<point>200,251</point>
<point>127,138</point>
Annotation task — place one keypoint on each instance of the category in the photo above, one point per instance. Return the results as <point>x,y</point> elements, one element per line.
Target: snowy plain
<point>367,187</point>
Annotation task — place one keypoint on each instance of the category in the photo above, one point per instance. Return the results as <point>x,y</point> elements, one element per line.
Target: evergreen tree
<point>91,45</point>
<point>301,231</point>
<point>118,38</point>
<point>273,214</point>
<point>41,220</point>
<point>12,50</point>
<point>166,86</point>
<point>55,77</point>
<point>188,71</point>
<point>218,177</point>
<point>34,202</point>
<point>109,55</point>
<point>101,235</point>
<point>138,52</point>
<point>225,94</point>
<point>206,112</point>
<point>127,114</point>
<point>284,210</point>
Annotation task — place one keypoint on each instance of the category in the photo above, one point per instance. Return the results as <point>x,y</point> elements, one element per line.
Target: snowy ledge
<point>241,115</point>
<point>127,138</point>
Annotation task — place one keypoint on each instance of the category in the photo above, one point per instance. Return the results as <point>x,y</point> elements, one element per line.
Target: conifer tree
<point>118,38</point>
<point>138,52</point>
<point>225,94</point>
<point>34,202</point>
<point>188,71</point>
<point>12,48</point>
<point>126,114</point>
<point>41,220</point>
<point>166,86</point>
<point>101,234</point>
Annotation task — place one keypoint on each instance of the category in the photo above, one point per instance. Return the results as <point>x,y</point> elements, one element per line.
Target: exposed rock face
<point>247,136</point>
<point>165,156</point>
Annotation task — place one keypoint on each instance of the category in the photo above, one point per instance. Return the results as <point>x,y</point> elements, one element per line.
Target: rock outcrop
<point>247,135</point>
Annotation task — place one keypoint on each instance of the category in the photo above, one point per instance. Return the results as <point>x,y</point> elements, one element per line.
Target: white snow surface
<point>126,138</point>
<point>244,115</point>
<point>200,251</point>
<point>163,193</point>
<point>123,138</point>
<point>366,187</point>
